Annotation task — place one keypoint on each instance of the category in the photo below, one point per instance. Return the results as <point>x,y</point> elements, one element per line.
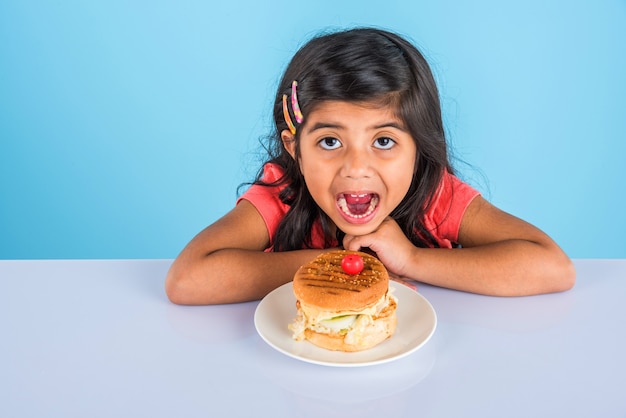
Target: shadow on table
<point>213,324</point>
<point>316,390</point>
<point>511,314</point>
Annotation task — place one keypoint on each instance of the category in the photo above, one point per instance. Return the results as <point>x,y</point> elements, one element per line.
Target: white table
<point>100,339</point>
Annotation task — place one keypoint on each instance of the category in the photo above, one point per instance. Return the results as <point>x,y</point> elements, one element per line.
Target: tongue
<point>358,205</point>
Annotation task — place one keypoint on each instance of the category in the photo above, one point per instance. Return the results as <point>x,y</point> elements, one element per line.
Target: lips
<point>357,206</point>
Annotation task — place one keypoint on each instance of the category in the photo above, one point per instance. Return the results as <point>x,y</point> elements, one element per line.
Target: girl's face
<point>357,161</point>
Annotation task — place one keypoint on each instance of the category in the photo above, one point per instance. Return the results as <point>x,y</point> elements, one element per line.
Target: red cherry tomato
<point>352,264</point>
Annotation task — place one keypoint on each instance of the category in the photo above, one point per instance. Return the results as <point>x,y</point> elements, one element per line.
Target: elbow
<point>178,287</point>
<point>175,295</point>
<point>554,276</point>
<point>561,276</point>
<point>174,289</point>
<point>567,275</point>
<point>187,284</point>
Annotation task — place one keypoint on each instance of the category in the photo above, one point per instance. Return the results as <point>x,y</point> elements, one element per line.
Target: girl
<point>359,161</point>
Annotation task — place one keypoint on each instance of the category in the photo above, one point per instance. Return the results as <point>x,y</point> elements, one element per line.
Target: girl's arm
<point>501,256</point>
<point>225,263</point>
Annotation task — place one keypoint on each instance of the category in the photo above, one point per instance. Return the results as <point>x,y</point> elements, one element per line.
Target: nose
<point>357,163</point>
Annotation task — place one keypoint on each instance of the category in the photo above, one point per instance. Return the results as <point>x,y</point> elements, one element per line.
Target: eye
<point>384,143</point>
<point>329,143</point>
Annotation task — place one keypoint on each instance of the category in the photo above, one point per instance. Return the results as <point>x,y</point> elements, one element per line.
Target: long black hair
<point>361,65</point>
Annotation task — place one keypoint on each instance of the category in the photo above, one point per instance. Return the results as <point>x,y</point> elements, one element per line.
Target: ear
<point>289,142</point>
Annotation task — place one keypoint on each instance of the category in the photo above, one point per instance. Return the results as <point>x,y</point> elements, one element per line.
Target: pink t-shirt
<point>442,220</point>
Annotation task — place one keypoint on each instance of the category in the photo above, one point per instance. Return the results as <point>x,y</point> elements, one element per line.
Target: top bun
<point>322,283</point>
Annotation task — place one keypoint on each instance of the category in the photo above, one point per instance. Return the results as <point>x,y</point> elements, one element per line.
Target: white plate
<point>416,324</point>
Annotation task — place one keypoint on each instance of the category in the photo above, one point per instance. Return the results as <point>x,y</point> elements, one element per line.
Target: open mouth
<point>357,205</point>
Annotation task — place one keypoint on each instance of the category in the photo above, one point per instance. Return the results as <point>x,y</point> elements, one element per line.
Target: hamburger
<point>343,308</point>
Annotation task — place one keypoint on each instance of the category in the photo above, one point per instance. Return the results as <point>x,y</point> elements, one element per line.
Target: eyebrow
<point>324,125</point>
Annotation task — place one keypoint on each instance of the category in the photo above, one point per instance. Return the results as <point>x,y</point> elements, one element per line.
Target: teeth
<point>343,205</point>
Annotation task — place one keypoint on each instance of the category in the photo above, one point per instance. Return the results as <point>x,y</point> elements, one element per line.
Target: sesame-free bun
<point>322,283</point>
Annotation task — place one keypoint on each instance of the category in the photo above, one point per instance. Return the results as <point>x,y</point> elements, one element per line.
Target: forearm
<point>506,268</point>
<point>231,275</point>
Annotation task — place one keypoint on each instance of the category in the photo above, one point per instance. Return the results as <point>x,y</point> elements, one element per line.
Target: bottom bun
<point>382,329</point>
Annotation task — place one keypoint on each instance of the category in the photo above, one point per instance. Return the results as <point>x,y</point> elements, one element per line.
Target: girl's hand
<point>389,243</point>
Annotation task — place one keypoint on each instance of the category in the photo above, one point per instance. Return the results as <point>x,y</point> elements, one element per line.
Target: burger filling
<point>352,325</point>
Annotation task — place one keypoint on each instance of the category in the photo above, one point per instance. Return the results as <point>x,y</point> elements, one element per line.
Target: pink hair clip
<point>295,106</point>
<point>294,102</point>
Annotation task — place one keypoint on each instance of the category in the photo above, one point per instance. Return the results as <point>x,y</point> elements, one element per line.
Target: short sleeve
<point>266,199</point>
<point>445,214</point>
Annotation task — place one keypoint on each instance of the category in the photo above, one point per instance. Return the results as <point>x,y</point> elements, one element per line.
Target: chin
<point>356,229</point>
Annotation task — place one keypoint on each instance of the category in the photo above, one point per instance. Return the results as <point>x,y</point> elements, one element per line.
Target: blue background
<point>126,126</point>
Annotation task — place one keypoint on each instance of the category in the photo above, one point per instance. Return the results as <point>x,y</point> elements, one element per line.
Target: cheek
<point>403,176</point>
<point>311,166</point>
<point>318,179</point>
